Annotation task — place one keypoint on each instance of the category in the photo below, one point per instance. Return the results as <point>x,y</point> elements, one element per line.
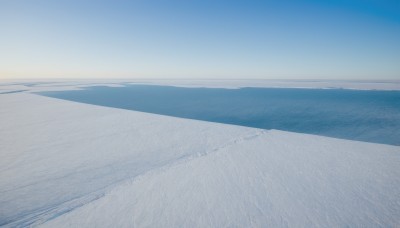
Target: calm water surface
<point>372,116</point>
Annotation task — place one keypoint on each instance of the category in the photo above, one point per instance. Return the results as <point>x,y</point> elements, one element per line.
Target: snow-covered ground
<point>66,164</point>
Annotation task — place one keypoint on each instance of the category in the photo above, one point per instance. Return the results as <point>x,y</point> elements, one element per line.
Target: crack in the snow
<point>47,214</point>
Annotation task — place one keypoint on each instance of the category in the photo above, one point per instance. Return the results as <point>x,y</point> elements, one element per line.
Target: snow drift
<point>65,164</point>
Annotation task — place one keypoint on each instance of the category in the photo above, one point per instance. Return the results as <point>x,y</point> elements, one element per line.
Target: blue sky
<point>284,39</point>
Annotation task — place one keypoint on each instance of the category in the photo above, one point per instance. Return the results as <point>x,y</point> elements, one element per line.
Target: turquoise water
<point>372,116</point>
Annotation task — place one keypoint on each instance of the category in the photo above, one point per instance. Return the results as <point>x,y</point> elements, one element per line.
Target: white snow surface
<point>67,164</point>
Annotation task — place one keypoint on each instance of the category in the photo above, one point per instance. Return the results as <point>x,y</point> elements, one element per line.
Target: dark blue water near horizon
<point>372,116</point>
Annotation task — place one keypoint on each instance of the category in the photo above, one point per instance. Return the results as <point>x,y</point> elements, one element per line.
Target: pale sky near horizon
<point>279,39</point>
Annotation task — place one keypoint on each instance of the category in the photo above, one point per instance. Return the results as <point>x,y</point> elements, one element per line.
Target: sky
<point>235,39</point>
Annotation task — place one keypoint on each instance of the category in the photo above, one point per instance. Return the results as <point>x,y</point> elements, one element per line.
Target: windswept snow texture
<point>371,116</point>
<point>67,164</point>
